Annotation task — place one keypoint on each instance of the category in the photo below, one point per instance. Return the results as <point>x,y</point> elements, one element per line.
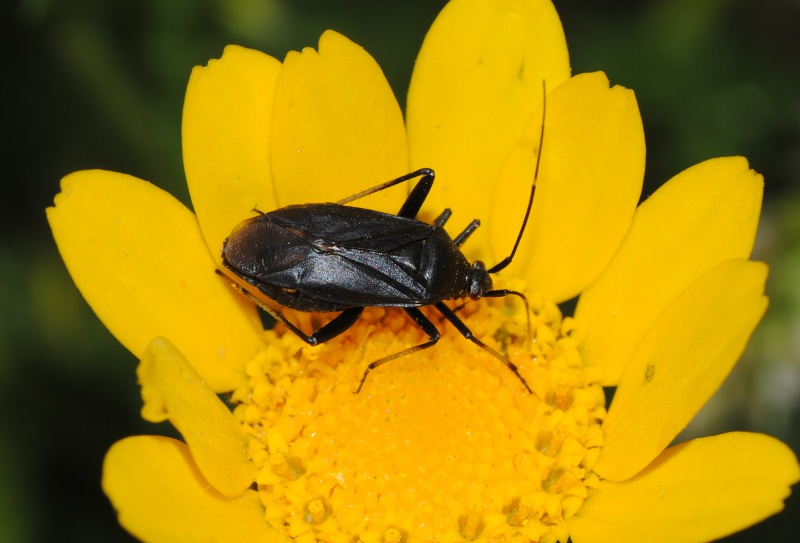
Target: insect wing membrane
<point>326,257</point>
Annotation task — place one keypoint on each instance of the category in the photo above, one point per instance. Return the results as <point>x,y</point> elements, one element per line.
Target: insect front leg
<point>506,292</point>
<point>462,237</point>
<point>427,326</point>
<point>467,333</point>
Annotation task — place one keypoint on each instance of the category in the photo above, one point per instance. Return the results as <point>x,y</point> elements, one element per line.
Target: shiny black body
<point>330,257</point>
<point>333,257</point>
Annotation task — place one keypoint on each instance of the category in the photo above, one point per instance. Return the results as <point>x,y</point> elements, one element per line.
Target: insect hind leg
<point>467,333</point>
<point>418,194</point>
<point>425,324</point>
<point>416,197</point>
<point>339,324</point>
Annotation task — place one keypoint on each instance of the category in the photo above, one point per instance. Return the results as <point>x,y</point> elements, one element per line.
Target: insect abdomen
<point>301,269</point>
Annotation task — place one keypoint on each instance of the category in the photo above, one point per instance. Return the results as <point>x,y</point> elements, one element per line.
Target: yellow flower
<point>445,445</point>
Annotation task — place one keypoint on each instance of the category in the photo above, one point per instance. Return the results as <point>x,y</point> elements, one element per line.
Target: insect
<point>332,257</point>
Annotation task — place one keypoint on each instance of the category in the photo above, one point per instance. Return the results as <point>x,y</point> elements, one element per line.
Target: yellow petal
<point>139,259</point>
<point>683,359</point>
<point>589,182</point>
<point>476,83</point>
<point>337,128</point>
<point>160,496</point>
<point>696,491</point>
<point>226,122</point>
<point>701,217</point>
<point>172,390</point>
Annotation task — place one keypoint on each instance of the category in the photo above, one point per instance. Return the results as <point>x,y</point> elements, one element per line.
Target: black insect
<point>333,257</point>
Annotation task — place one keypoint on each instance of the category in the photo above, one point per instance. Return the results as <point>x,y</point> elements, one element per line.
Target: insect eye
<point>479,280</point>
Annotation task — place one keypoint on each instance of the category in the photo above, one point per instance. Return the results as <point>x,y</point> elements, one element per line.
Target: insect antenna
<point>507,260</point>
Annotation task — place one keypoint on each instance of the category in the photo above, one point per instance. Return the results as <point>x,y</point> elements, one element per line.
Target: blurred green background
<point>99,84</point>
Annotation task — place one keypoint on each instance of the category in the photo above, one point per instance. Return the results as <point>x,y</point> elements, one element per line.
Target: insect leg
<point>462,237</point>
<point>427,326</point>
<point>505,292</point>
<point>424,172</point>
<point>330,330</point>
<point>467,333</point>
<point>340,323</point>
<point>443,218</point>
<point>418,194</point>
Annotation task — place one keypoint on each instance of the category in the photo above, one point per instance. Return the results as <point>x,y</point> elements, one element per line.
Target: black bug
<point>333,257</point>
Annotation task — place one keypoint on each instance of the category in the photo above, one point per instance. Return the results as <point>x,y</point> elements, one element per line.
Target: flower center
<point>444,445</point>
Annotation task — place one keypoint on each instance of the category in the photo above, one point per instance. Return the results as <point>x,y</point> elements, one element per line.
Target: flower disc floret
<point>444,446</point>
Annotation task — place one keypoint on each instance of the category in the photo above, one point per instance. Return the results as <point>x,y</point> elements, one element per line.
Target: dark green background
<point>100,84</point>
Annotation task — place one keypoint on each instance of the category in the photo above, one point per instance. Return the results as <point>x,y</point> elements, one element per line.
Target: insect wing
<point>332,225</point>
<point>325,257</point>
